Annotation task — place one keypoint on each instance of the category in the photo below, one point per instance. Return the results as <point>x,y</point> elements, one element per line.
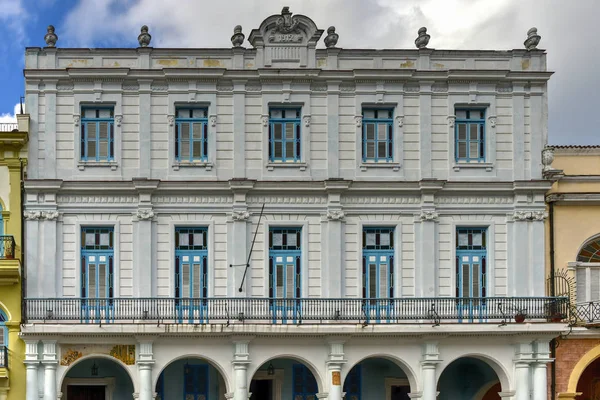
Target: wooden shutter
<point>594,284</point>
<point>581,284</point>
<point>185,281</point>
<point>383,278</point>
<point>289,280</point>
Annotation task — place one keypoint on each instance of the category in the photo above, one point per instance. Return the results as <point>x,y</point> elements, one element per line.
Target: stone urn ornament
<point>144,37</point>
<point>238,37</point>
<point>533,39</point>
<point>547,157</point>
<point>423,39</point>
<point>51,38</point>
<point>332,38</point>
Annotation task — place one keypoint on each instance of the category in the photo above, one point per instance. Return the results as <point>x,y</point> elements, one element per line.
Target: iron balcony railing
<point>306,310</point>
<point>7,246</point>
<point>3,357</point>
<point>585,313</point>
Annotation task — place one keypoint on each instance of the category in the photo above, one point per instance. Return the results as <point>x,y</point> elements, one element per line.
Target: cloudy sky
<point>569,30</point>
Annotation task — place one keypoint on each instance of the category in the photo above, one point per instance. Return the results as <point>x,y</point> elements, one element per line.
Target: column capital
<point>506,395</point>
<point>322,395</point>
<point>415,395</point>
<point>145,365</point>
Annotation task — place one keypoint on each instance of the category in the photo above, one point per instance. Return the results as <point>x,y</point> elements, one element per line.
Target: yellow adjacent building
<point>13,159</point>
<point>573,253</point>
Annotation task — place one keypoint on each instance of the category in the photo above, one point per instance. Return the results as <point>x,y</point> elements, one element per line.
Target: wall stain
<point>407,64</point>
<point>212,63</point>
<point>438,65</point>
<point>321,62</point>
<point>168,63</point>
<point>525,64</point>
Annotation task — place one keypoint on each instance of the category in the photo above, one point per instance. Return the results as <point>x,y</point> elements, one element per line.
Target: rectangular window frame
<point>285,253</point>
<point>474,251</point>
<point>480,141</point>
<point>89,253</point>
<point>389,140</point>
<point>85,140</point>
<point>180,135</point>
<point>192,251</point>
<point>377,251</point>
<point>296,140</point>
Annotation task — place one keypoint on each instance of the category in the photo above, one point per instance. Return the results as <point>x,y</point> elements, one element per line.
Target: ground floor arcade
<point>357,363</point>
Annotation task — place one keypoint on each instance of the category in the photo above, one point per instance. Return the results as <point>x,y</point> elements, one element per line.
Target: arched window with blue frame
<point>3,340</point>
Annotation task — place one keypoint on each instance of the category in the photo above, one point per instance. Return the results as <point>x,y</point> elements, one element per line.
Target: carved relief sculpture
<point>492,119</point>
<point>240,215</point>
<point>213,120</point>
<point>451,120</point>
<point>306,120</point>
<point>429,216</point>
<point>70,357</point>
<point>358,121</point>
<point>335,215</point>
<point>547,157</point>
<point>144,215</point>
<point>124,353</point>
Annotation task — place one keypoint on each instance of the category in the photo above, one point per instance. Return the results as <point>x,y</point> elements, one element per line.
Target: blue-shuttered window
<point>471,260</point>
<point>97,134</point>
<point>304,383</point>
<point>378,262</point>
<point>378,135</point>
<point>191,262</point>
<point>97,262</point>
<point>285,262</point>
<point>191,134</point>
<point>353,383</point>
<point>470,135</point>
<point>284,134</point>
<point>195,382</point>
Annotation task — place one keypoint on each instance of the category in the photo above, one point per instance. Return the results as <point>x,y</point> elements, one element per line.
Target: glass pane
<point>370,149</point>
<point>475,280</point>
<point>382,131</point>
<point>371,239</point>
<point>103,150</point>
<point>198,239</point>
<point>90,239</point>
<point>89,113</point>
<point>199,113</point>
<point>197,150</point>
<point>91,147</point>
<point>474,150</point>
<point>381,149</point>
<point>462,150</point>
<point>291,239</point>
<point>370,131</point>
<point>277,239</point>
<point>462,131</point>
<point>184,239</point>
<point>197,130</point>
<point>185,149</point>
<point>369,113</point>
<point>289,131</point>
<point>474,131</point>
<point>105,112</point>
<point>289,150</point>
<point>103,131</point>
<point>278,134</point>
<point>477,239</point>
<point>104,239</point>
<point>372,281</point>
<point>461,114</point>
<point>278,150</point>
<point>384,239</point>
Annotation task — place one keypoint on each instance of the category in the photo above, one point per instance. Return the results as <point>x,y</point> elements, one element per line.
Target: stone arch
<point>484,389</point>
<point>210,361</point>
<point>310,365</point>
<point>496,365</point>
<point>120,363</point>
<point>4,311</point>
<point>410,374</point>
<point>584,361</point>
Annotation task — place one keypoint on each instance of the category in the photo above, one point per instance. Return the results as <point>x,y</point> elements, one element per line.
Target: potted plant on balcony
<point>520,316</point>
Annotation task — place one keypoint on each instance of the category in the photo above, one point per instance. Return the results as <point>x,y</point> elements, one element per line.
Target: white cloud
<point>568,31</point>
<point>11,118</point>
<point>12,16</point>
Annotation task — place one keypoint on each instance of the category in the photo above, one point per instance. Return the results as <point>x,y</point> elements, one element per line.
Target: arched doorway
<point>283,378</point>
<point>97,378</point>
<point>376,378</point>
<point>589,381</point>
<point>191,378</point>
<point>469,378</point>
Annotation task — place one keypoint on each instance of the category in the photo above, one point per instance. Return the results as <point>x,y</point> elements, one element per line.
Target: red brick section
<point>568,354</point>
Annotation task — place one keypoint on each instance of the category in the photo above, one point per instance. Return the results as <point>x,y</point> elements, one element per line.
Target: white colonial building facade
<point>286,222</point>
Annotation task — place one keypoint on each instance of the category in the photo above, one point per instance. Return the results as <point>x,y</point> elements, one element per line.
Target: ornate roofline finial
<point>423,39</point>
<point>51,38</point>
<point>533,39</point>
<point>238,37</point>
<point>332,38</point>
<point>144,37</point>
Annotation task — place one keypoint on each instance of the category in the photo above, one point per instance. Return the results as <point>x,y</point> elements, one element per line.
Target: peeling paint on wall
<point>321,62</point>
<point>407,64</point>
<point>168,62</point>
<point>525,64</point>
<point>212,63</point>
<point>438,66</point>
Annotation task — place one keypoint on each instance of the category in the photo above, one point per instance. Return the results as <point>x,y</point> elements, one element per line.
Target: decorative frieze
<point>529,215</point>
<point>122,352</point>
<point>474,200</point>
<point>41,215</point>
<point>131,86</point>
<point>192,199</point>
<point>159,86</point>
<point>83,199</point>
<point>318,87</point>
<point>286,200</point>
<point>65,86</point>
<point>347,87</point>
<point>381,199</point>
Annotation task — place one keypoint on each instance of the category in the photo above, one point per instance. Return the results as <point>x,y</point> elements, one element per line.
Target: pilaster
<point>239,127</point>
<point>144,262</point>
<point>238,232</point>
<point>425,129</point>
<point>49,169</point>
<point>335,361</point>
<point>50,362</point>
<point>333,129</point>
<point>429,362</point>
<point>144,363</point>
<point>32,363</point>
<point>522,361</point>
<point>145,138</point>
<point>332,248</point>
<point>240,362</point>
<point>518,127</point>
